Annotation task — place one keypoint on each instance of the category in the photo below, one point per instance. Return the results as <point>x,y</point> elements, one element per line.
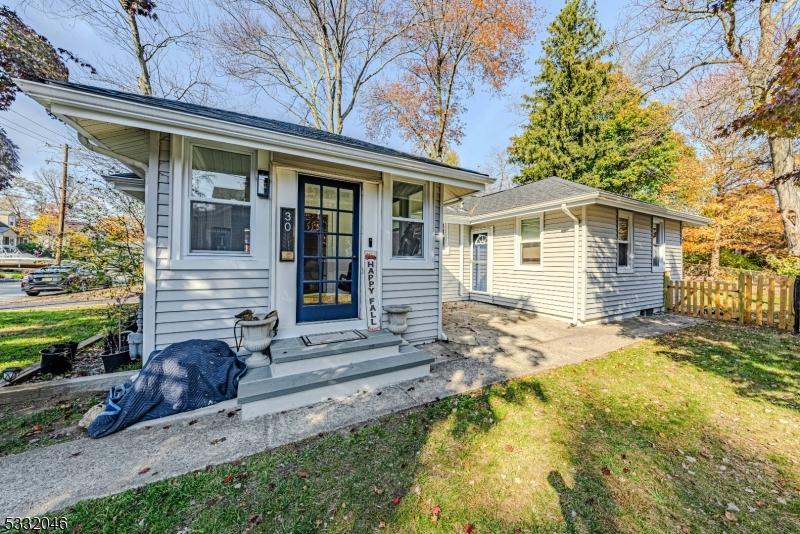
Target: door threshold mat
<point>332,337</point>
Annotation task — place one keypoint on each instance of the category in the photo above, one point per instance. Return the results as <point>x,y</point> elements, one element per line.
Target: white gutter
<point>575,226</point>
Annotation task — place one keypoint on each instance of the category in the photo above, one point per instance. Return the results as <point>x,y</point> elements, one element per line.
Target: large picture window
<point>408,220</point>
<point>624,242</point>
<point>529,252</point>
<point>219,198</point>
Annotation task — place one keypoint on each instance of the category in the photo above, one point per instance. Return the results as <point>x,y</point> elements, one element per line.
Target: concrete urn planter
<point>256,338</point>
<point>398,318</point>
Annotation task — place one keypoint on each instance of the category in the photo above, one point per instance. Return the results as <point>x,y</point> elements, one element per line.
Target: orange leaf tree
<point>454,45</point>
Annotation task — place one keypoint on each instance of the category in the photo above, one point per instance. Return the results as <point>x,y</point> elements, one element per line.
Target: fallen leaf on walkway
<point>218,440</point>
<point>166,427</point>
<point>193,422</point>
<point>74,454</point>
<point>144,470</point>
<point>231,413</point>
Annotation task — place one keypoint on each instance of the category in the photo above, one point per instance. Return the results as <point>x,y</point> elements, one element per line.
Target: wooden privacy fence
<point>754,300</point>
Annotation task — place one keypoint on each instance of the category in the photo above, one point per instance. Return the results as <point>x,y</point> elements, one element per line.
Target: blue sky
<point>490,119</point>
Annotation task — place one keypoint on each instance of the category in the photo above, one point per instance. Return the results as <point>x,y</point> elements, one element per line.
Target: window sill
<point>215,262</point>
<point>485,293</point>
<point>624,270</point>
<point>396,263</point>
<point>520,267</point>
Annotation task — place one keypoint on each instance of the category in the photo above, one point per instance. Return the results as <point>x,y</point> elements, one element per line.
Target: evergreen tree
<point>586,122</point>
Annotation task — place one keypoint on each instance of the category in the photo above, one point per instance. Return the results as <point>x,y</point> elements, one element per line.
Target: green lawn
<point>23,333</point>
<point>697,431</point>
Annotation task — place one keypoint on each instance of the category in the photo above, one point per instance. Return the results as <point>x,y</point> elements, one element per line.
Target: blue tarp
<point>182,377</point>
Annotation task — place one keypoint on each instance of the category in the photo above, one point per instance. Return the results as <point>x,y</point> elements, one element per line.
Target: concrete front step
<point>260,392</point>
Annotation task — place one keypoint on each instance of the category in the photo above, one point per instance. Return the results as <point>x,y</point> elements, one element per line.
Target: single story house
<point>562,249</point>
<point>246,212</point>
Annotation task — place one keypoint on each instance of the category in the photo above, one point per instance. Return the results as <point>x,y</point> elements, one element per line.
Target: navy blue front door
<point>327,270</point>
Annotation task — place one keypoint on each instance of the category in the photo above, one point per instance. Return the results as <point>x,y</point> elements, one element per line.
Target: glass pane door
<point>328,250</point>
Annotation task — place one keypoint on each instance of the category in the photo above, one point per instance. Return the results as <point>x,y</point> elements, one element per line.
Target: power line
<point>23,131</point>
<point>38,124</point>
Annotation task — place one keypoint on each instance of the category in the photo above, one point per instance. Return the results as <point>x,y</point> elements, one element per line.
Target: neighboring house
<point>246,212</point>
<point>563,249</point>
<point>8,232</point>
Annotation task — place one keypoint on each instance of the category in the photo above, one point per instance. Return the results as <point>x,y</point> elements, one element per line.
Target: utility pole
<point>62,213</point>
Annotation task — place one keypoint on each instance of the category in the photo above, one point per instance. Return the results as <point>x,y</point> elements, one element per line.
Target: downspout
<point>440,240</point>
<point>575,227</point>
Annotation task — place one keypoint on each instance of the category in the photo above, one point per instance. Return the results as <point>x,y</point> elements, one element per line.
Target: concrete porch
<point>302,374</point>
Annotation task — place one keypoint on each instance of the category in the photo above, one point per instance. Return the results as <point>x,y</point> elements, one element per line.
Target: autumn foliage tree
<point>454,45</point>
<point>23,54</point>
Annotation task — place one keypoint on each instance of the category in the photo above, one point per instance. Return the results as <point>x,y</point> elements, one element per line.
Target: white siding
<point>549,290</point>
<point>611,293</point>
<point>452,287</point>
<point>418,288</point>
<point>197,303</point>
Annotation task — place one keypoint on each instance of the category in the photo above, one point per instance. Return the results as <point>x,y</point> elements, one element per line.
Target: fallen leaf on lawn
<point>396,500</point>
<point>37,428</point>
<point>252,523</point>
<point>730,516</point>
<point>509,448</point>
<point>469,529</point>
<point>144,470</point>
<point>302,473</point>
<point>381,524</point>
<point>377,490</point>
<point>606,471</point>
<point>760,502</point>
<point>228,479</point>
<point>435,511</point>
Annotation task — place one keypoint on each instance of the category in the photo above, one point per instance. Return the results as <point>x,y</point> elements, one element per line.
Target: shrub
<point>786,266</point>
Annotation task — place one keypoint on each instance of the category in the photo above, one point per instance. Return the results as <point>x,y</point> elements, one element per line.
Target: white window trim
<point>426,261</point>
<point>631,235</point>
<point>660,250</point>
<point>180,214</point>
<point>518,265</point>
<point>488,230</point>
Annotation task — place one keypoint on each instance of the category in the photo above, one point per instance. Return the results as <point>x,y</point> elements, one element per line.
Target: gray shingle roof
<point>254,121</point>
<point>546,190</point>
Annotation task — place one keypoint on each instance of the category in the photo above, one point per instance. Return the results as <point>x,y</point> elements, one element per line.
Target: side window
<point>624,242</point>
<point>408,220</point>
<point>659,244</point>
<point>529,251</point>
<point>220,201</point>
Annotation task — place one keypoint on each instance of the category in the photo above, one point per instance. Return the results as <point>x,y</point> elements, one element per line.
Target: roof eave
<point>596,197</point>
<point>72,102</point>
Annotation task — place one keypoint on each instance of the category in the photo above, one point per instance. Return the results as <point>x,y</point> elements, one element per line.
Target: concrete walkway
<point>487,345</point>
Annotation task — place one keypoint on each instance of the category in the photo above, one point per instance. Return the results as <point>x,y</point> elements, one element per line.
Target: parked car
<point>64,277</point>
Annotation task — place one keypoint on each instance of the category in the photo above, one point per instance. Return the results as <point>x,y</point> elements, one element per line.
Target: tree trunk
<point>787,190</point>
<point>145,87</point>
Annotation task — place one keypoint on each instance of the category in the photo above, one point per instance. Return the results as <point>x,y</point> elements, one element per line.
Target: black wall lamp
<point>262,188</point>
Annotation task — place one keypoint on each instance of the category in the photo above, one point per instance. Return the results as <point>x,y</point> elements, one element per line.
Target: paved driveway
<point>488,345</point>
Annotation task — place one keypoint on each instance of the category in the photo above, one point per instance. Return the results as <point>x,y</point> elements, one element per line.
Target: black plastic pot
<point>115,360</point>
<point>55,361</point>
<point>71,347</point>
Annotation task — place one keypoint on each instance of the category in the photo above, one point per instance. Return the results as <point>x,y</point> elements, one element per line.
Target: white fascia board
<point>456,219</point>
<point>70,102</point>
<point>651,209</point>
<point>536,208</point>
